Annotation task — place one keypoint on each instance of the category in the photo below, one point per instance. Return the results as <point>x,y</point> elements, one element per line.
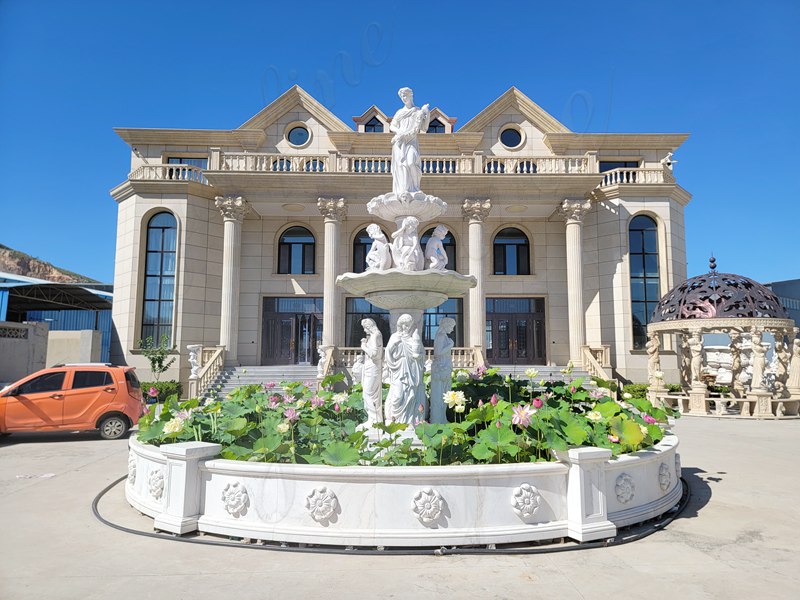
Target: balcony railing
<point>463,358</point>
<point>637,176</point>
<point>162,172</point>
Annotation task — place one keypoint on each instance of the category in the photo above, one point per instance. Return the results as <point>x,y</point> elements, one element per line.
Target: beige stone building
<point>232,239</point>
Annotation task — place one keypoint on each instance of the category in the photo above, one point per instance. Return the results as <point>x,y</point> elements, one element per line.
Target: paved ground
<point>737,538</point>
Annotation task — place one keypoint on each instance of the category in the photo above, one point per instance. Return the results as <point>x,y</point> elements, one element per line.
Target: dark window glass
<point>645,289</point>
<point>281,164</point>
<point>511,253</point>
<point>87,379</point>
<point>510,138</point>
<point>361,245</point>
<point>373,126</point>
<point>609,165</point>
<point>183,160</point>
<point>298,136</point>
<point>49,382</point>
<point>132,380</point>
<point>159,284</point>
<point>449,244</point>
<point>436,126</point>
<point>296,250</point>
<point>357,309</point>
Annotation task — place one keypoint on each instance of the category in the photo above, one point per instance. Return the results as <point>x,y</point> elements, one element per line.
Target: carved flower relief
<point>678,465</point>
<point>321,504</point>
<point>235,499</point>
<point>155,484</point>
<point>664,477</point>
<point>525,500</point>
<point>624,488</point>
<point>428,505</point>
<point>131,470</point>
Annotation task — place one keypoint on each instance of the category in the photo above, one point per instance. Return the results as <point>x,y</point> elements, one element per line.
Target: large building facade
<point>235,237</point>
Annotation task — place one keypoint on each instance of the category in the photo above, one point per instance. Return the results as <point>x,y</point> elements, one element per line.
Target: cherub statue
<point>435,255</point>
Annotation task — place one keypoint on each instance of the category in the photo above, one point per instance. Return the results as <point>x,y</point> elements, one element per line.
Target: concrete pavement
<point>736,539</point>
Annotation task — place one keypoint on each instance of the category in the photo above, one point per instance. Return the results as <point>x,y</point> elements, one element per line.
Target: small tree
<point>158,356</point>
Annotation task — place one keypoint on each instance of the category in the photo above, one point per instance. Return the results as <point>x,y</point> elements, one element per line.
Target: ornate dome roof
<point>718,295</point>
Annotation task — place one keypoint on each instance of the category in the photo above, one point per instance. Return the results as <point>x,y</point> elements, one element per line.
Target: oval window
<point>298,136</point>
<point>510,138</point>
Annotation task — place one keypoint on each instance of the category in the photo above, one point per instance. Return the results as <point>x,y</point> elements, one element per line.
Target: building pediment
<point>513,99</point>
<point>289,101</point>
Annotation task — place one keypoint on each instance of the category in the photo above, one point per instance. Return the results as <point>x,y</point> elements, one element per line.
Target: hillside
<point>19,263</point>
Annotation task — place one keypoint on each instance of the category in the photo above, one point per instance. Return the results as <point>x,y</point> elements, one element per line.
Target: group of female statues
<point>402,364</point>
<point>404,251</point>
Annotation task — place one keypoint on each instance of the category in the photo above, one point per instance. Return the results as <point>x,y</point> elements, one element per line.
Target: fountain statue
<point>400,277</point>
<point>372,345</point>
<point>441,369</point>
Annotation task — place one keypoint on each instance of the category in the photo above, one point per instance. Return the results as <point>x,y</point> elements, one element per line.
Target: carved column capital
<point>232,208</point>
<point>333,209</point>
<point>476,210</point>
<point>573,211</point>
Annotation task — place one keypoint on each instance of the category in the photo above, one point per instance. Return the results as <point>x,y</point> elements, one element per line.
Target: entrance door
<point>515,338</point>
<point>292,331</point>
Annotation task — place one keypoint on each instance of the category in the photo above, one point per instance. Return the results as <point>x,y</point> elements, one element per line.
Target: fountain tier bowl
<point>409,204</point>
<point>394,288</point>
<point>186,487</point>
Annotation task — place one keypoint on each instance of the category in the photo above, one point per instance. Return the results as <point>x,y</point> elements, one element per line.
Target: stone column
<point>573,212</point>
<point>233,209</point>
<point>793,383</point>
<point>333,210</point>
<point>477,211</point>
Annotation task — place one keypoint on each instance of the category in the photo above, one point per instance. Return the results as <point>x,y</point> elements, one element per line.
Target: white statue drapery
<point>406,124</point>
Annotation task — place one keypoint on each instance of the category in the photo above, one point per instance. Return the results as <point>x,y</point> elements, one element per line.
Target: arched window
<point>645,293</point>
<point>436,126</point>
<point>282,164</point>
<point>449,244</point>
<point>511,252</point>
<point>314,165</point>
<point>296,251</point>
<point>159,279</point>
<point>373,126</point>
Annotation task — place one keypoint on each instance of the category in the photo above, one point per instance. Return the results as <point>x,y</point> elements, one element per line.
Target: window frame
<point>502,259</point>
<point>308,252</point>
<point>160,325</point>
<point>639,332</point>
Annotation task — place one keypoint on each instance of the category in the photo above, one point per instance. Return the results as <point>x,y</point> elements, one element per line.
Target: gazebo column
<point>793,383</point>
<point>762,407</point>
<point>477,211</point>
<point>737,386</point>
<point>573,212</point>
<point>233,210</point>
<point>333,210</point>
<point>698,392</point>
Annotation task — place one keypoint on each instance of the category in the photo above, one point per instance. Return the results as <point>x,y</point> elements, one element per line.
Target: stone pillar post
<point>233,209</point>
<point>573,212</point>
<point>333,210</point>
<point>182,482</point>
<point>587,509</point>
<point>477,211</point>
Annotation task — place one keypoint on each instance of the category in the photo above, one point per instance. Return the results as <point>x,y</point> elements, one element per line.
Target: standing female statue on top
<point>441,369</point>
<point>379,257</point>
<point>405,364</point>
<point>372,392</point>
<point>406,124</point>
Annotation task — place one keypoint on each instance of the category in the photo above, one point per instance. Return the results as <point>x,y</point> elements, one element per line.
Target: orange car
<point>72,397</point>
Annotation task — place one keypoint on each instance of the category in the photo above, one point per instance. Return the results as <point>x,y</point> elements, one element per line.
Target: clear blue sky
<point>728,73</point>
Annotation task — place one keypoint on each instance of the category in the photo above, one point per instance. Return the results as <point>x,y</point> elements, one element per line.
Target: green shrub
<point>636,390</point>
<point>165,389</point>
<point>674,388</point>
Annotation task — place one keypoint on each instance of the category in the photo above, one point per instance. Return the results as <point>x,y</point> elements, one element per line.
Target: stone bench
<point>777,407</point>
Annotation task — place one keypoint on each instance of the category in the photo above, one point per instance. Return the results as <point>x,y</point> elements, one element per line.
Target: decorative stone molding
<point>235,499</point>
<point>155,484</point>
<point>476,210</point>
<point>624,488</point>
<point>428,506</point>
<point>131,470</point>
<point>525,500</point>
<point>664,477</point>
<point>232,208</point>
<point>573,211</point>
<point>333,209</point>
<point>322,504</point>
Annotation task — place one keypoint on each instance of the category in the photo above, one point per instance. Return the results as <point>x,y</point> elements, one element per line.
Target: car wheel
<point>113,427</point>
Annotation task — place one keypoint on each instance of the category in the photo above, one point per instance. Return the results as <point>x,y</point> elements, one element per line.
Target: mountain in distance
<point>19,263</point>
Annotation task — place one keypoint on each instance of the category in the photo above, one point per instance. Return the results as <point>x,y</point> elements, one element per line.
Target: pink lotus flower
<point>421,409</point>
<point>537,403</point>
<point>493,401</point>
<point>288,399</point>
<point>498,424</point>
<point>649,419</point>
<point>480,403</point>
<point>336,408</point>
<point>613,439</point>
<point>291,414</point>
<point>269,385</point>
<point>309,384</point>
<point>153,393</point>
<point>316,401</point>
<point>274,401</point>
<point>522,415</point>
<point>572,389</point>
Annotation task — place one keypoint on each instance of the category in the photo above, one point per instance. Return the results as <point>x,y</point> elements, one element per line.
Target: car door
<point>37,403</point>
<point>85,397</point>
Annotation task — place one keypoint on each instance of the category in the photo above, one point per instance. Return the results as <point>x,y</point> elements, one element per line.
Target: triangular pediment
<point>288,101</point>
<point>511,100</point>
<point>372,111</point>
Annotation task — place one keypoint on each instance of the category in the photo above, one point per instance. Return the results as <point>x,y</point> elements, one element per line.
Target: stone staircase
<point>233,377</point>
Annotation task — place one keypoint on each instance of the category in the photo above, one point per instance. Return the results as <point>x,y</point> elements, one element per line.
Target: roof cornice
<point>246,138</point>
<point>560,143</point>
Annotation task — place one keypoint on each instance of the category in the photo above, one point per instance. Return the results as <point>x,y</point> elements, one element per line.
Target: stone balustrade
<point>463,358</point>
<point>637,176</point>
<point>166,172</point>
<point>274,162</point>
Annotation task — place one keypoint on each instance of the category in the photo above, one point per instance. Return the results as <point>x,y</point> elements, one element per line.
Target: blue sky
<point>727,73</point>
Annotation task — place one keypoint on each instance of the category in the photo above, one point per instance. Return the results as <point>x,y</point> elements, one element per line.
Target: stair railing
<point>212,360</point>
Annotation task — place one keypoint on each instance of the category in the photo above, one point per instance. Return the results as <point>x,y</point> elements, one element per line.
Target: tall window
<point>449,247</point>
<point>643,240</point>
<point>373,126</point>
<point>436,126</point>
<point>296,251</point>
<point>159,281</point>
<point>512,253</point>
